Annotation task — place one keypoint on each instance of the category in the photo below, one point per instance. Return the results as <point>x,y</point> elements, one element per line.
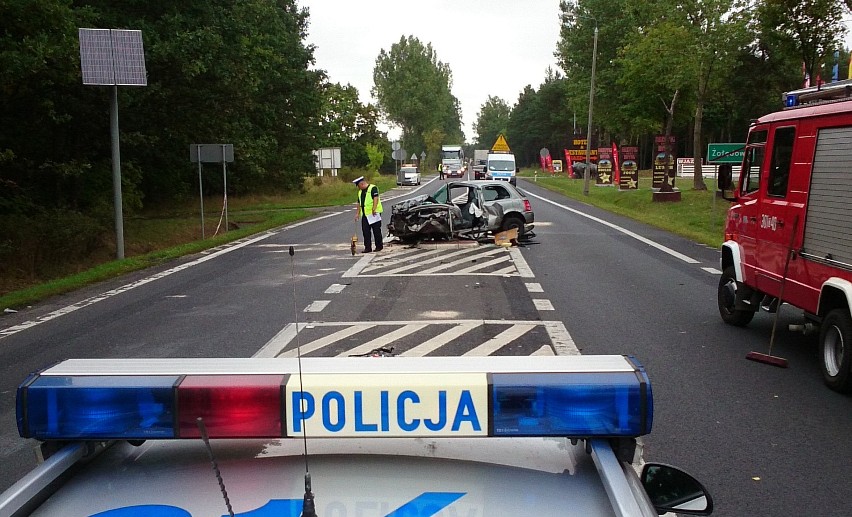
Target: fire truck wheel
<point>835,338</point>
<point>726,297</point>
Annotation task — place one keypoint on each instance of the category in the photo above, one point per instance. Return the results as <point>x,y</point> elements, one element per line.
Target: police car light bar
<point>587,396</point>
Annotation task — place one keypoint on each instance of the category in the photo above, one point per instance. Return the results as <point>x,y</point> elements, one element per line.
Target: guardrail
<point>708,171</point>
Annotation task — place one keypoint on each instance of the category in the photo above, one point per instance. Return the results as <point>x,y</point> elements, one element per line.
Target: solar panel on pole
<point>128,58</point>
<point>113,57</point>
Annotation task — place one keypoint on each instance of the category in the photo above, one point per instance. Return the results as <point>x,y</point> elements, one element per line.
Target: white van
<point>501,166</point>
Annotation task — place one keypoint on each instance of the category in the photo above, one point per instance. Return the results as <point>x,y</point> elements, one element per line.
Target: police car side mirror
<point>673,490</point>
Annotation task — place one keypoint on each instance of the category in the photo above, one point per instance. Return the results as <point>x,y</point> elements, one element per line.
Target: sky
<point>468,35</point>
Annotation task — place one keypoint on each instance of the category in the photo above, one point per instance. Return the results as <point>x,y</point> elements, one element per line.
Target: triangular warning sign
<point>501,145</point>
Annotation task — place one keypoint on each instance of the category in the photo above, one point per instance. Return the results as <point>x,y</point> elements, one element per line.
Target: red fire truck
<point>788,237</point>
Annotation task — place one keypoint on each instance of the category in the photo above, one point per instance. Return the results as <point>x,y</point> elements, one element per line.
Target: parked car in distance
<point>408,175</point>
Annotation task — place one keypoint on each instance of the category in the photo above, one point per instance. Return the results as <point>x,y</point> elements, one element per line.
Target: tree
<point>348,124</point>
<point>413,89</point>
<point>812,27</point>
<point>492,120</point>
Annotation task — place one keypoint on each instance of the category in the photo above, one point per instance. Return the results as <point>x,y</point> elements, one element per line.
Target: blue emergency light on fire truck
<point>605,401</point>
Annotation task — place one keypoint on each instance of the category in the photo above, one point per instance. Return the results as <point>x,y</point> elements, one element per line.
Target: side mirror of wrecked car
<point>673,490</point>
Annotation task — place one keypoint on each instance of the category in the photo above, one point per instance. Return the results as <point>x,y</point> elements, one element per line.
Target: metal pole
<point>591,104</point>
<point>116,175</point>
<point>200,189</point>
<point>225,183</point>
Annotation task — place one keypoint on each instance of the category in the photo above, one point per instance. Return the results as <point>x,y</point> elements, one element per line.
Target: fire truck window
<point>751,168</point>
<point>782,154</point>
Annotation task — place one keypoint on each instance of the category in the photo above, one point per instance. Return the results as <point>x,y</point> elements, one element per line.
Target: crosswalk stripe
<point>544,350</point>
<point>464,260</point>
<point>484,265</point>
<point>440,340</point>
<point>428,261</point>
<point>500,340</point>
<point>383,263</point>
<point>505,271</point>
<point>384,340</point>
<point>327,340</point>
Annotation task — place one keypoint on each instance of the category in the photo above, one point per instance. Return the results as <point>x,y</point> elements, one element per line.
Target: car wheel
<point>726,297</point>
<point>513,221</point>
<point>835,343</point>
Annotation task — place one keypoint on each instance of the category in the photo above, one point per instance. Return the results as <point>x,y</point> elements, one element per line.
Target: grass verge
<point>695,217</point>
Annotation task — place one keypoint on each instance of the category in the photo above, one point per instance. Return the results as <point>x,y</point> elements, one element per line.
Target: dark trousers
<point>375,229</point>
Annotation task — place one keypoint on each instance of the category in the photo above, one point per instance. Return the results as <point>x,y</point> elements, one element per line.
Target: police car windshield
<point>501,166</point>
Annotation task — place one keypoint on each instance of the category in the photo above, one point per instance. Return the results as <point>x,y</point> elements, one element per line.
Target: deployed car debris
<point>465,209</point>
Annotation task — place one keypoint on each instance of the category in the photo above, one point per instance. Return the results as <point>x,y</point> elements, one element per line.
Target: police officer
<point>369,211</point>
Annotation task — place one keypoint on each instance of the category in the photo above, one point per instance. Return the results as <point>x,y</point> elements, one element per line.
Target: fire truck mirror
<point>725,174</point>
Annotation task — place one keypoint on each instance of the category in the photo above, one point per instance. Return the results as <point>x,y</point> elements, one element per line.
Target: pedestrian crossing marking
<point>384,340</point>
<point>500,340</point>
<point>440,340</point>
<point>448,260</point>
<point>325,341</point>
<point>423,337</point>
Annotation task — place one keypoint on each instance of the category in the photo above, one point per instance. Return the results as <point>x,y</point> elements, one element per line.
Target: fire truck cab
<point>788,236</point>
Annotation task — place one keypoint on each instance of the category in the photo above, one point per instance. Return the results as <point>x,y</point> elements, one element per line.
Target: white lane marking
<point>176,296</point>
<point>430,345</point>
<point>279,341</point>
<point>327,340</point>
<point>429,261</point>
<point>500,340</point>
<point>562,341</point>
<point>712,270</point>
<point>625,231</point>
<point>317,306</point>
<point>544,350</point>
<point>335,289</point>
<point>534,287</point>
<point>505,271</point>
<point>520,263</point>
<point>383,340</point>
<point>361,264</point>
<point>463,260</point>
<point>543,305</point>
<point>394,259</point>
<point>483,265</point>
<point>138,283</point>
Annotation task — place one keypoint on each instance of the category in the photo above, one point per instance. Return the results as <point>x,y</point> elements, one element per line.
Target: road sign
<point>414,156</point>
<point>544,152</point>
<point>501,145</point>
<point>211,153</point>
<point>396,145</point>
<point>725,153</point>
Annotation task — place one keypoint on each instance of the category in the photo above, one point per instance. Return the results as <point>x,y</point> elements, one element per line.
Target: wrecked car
<point>466,209</point>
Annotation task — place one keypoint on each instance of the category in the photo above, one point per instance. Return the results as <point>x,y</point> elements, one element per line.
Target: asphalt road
<point>765,441</point>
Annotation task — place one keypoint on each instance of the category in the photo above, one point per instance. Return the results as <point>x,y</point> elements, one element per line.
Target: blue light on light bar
<point>576,405</point>
<point>791,100</point>
<point>91,407</point>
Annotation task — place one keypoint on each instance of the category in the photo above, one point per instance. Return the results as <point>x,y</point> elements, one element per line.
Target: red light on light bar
<point>232,406</point>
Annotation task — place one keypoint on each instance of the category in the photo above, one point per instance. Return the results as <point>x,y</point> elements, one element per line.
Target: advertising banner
<point>663,159</point>
<point>629,179</point>
<point>577,152</point>
<point>605,168</point>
